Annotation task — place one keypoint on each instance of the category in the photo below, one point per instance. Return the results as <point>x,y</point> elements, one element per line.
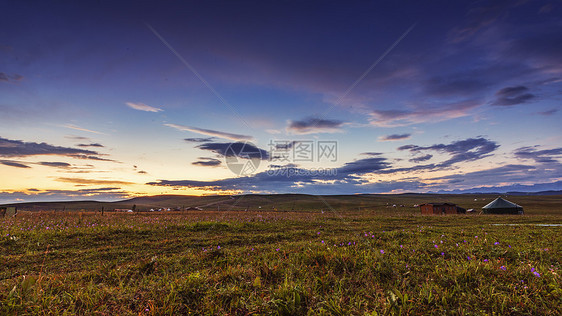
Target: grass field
<point>279,263</point>
<point>379,203</point>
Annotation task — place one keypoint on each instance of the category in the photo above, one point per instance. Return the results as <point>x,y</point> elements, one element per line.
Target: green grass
<point>376,203</point>
<point>241,263</point>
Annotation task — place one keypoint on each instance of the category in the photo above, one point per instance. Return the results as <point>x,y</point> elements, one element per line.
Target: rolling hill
<point>392,203</point>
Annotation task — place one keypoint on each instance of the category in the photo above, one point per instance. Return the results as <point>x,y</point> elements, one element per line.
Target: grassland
<point>379,203</point>
<point>279,263</point>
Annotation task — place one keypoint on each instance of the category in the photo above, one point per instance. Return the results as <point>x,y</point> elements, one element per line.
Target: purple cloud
<point>421,158</point>
<point>13,164</point>
<point>18,148</point>
<point>314,125</point>
<point>512,96</point>
<point>55,164</point>
<point>232,149</point>
<point>90,145</point>
<point>394,137</point>
<point>200,139</point>
<point>207,162</point>
<point>463,150</point>
<point>540,156</point>
<point>548,112</point>
<point>10,78</point>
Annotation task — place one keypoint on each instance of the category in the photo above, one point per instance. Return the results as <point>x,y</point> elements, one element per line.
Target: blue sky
<point>98,98</point>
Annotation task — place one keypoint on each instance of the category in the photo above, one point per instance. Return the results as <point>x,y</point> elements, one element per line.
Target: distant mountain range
<point>553,188</point>
<point>559,192</point>
<point>475,191</point>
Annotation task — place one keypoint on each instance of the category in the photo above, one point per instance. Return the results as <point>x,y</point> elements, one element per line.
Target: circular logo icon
<point>243,158</point>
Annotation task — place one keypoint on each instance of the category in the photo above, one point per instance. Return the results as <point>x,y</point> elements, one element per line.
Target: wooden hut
<point>9,211</point>
<point>440,208</point>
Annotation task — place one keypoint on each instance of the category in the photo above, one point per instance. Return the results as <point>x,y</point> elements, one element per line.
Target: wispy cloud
<point>480,17</point>
<point>78,138</point>
<point>512,96</point>
<point>548,112</point>
<point>394,137</point>
<point>422,113</point>
<point>313,125</point>
<point>210,132</point>
<point>207,162</point>
<point>93,158</point>
<point>421,158</point>
<point>235,149</point>
<point>15,164</point>
<point>92,181</point>
<point>55,164</point>
<point>199,139</point>
<point>10,78</point>
<point>91,145</point>
<point>540,156</point>
<point>18,148</point>
<point>25,164</point>
<point>143,107</point>
<point>78,128</point>
<point>469,149</point>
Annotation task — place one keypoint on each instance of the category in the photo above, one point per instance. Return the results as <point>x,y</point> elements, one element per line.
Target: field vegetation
<point>279,263</point>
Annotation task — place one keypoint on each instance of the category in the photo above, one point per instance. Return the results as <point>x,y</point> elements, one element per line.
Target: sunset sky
<point>105,101</point>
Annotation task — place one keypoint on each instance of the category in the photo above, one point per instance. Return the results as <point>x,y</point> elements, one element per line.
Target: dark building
<point>9,211</point>
<point>502,206</point>
<point>441,208</point>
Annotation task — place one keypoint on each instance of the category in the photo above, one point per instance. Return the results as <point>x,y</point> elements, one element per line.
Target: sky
<point>107,100</point>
